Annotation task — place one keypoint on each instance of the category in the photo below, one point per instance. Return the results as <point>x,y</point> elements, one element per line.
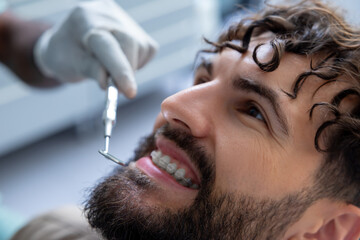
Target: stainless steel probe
<point>109,119</point>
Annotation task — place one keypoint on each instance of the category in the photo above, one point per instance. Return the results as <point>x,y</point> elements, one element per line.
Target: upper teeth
<point>163,161</point>
<point>171,168</point>
<point>179,174</point>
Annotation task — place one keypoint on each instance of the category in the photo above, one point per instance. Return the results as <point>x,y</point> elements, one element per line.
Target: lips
<point>179,157</point>
<point>175,156</point>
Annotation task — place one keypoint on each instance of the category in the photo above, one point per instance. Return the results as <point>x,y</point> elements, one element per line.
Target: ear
<point>327,220</point>
<point>344,225</point>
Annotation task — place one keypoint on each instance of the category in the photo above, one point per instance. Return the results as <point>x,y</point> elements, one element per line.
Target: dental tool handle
<point>109,115</point>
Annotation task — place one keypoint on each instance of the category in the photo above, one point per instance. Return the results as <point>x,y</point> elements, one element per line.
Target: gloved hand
<point>97,39</point>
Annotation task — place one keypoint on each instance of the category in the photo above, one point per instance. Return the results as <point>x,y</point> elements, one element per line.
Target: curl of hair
<point>313,29</point>
<point>278,48</point>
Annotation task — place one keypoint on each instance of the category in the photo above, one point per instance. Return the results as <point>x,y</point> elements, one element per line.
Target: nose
<point>192,109</point>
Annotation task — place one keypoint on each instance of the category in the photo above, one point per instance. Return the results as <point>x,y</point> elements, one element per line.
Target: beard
<point>117,206</point>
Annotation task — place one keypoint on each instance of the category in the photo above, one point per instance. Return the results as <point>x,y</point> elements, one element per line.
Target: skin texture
<point>261,178</point>
<point>17,40</point>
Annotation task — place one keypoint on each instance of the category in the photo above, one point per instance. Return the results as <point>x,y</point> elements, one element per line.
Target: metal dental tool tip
<point>109,118</point>
<point>112,158</point>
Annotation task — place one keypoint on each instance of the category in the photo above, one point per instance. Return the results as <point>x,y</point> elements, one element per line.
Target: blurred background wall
<point>49,138</point>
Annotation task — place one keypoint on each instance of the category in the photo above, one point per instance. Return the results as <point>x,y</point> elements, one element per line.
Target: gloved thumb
<point>108,52</point>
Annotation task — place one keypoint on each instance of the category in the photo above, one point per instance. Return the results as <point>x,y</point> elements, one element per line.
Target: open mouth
<point>176,169</point>
<point>166,163</point>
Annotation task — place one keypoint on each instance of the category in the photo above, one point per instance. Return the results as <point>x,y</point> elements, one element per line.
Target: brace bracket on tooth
<point>163,162</point>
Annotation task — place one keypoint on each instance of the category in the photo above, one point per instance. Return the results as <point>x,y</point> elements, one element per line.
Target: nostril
<point>181,123</point>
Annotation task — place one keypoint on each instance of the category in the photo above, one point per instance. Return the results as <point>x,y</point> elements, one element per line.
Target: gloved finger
<point>91,68</point>
<point>130,48</point>
<point>148,50</point>
<point>139,50</point>
<point>107,50</point>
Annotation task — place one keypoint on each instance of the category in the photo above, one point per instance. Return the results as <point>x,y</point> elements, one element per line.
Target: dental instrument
<point>109,119</point>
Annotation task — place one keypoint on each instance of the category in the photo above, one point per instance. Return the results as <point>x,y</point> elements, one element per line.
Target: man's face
<point>246,147</point>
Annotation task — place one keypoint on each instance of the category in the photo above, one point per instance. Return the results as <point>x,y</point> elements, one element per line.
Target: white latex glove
<point>97,39</point>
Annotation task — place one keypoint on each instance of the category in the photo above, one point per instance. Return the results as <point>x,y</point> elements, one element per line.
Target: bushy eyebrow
<point>240,83</point>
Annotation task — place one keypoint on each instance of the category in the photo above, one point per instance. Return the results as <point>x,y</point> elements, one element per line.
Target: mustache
<point>187,143</point>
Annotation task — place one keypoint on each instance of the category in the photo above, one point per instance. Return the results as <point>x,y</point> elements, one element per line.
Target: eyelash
<point>249,110</point>
<point>201,80</point>
<point>201,76</point>
<point>257,116</point>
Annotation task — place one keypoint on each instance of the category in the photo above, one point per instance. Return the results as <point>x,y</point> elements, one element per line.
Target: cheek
<point>258,166</point>
<point>300,160</point>
<point>242,164</point>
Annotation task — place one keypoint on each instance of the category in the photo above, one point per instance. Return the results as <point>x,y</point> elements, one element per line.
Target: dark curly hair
<point>313,29</point>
